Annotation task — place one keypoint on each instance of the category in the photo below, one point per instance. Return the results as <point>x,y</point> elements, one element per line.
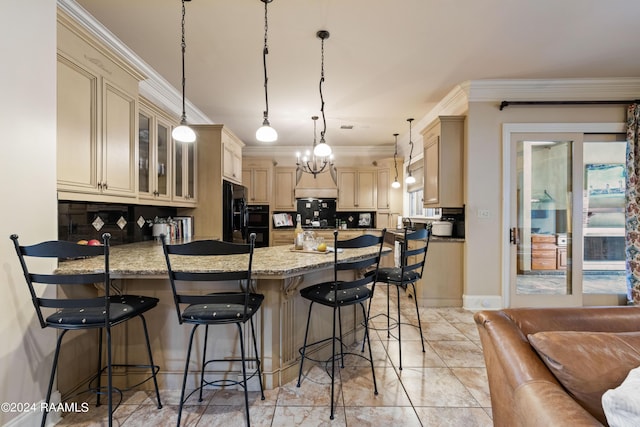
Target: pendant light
<point>395,183</point>
<point>266,133</point>
<point>410,178</point>
<point>322,149</point>
<point>183,133</point>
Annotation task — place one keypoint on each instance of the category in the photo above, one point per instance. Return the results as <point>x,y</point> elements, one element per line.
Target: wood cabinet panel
<point>357,189</point>
<point>285,181</point>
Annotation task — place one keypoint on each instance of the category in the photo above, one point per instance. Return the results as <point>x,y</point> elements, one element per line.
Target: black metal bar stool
<point>197,262</point>
<point>413,253</point>
<point>102,312</point>
<point>342,293</point>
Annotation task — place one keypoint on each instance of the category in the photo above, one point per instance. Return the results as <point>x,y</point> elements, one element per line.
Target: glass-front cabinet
<point>154,156</point>
<point>184,173</point>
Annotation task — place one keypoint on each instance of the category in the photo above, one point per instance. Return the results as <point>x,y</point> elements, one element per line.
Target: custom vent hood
<point>320,187</point>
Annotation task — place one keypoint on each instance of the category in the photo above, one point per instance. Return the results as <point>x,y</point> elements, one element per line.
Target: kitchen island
<point>278,273</point>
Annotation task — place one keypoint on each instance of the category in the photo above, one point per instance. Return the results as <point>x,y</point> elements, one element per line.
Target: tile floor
<point>445,386</point>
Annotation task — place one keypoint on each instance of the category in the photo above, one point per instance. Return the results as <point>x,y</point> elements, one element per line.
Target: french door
<point>565,216</point>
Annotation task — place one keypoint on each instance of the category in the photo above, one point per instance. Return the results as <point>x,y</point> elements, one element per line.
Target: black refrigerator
<point>234,212</point>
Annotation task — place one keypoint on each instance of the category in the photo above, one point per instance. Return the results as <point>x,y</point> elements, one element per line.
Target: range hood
<point>316,193</point>
<point>321,186</point>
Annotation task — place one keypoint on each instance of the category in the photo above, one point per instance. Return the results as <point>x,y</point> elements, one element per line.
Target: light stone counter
<point>278,274</point>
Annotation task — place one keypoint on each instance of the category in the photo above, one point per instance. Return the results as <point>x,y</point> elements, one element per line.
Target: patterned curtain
<point>632,205</point>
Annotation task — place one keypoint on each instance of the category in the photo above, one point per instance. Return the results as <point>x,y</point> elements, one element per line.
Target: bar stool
<point>207,261</point>
<point>102,312</point>
<point>413,253</point>
<point>342,293</point>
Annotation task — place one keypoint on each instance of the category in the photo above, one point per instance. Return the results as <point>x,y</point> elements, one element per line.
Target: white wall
<point>28,190</point>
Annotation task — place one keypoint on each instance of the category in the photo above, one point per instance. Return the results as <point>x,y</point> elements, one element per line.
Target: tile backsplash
<point>125,223</point>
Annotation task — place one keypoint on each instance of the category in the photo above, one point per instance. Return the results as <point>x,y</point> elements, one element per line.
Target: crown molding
<point>155,88</point>
<point>594,89</point>
<point>285,151</point>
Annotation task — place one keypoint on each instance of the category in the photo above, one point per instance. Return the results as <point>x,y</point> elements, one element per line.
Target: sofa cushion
<point>622,404</point>
<point>587,364</point>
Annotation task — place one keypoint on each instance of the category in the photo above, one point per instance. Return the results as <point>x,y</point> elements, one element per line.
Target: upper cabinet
<point>185,169</point>
<point>97,119</point>
<point>357,189</point>
<point>232,158</point>
<point>155,174</point>
<point>443,162</point>
<point>285,182</point>
<point>257,176</point>
<point>383,188</point>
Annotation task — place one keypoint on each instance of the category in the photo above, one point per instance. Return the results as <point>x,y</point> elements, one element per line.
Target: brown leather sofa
<point>524,391</point>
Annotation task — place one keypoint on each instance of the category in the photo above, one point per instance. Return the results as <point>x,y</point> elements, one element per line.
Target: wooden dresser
<point>543,252</point>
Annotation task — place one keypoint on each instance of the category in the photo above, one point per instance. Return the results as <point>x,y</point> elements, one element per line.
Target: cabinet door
<point>231,162</point>
<point>145,159</point>
<point>432,171</point>
<point>191,172</point>
<point>162,157</point>
<point>260,180</point>
<point>285,184</point>
<point>118,142</point>
<point>366,190</point>
<point>383,186</point>
<point>347,184</point>
<point>77,150</point>
<point>178,170</point>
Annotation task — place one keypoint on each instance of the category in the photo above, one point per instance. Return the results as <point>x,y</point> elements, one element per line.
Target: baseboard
<point>34,418</point>
<point>482,302</point>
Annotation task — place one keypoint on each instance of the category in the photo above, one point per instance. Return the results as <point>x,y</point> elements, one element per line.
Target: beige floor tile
<point>476,381</point>
<point>459,354</point>
<point>97,416</point>
<point>358,388</point>
<point>454,417</point>
<point>308,417</point>
<point>435,387</point>
<point>227,416</point>
<point>363,416</point>
<point>412,355</point>
<point>236,398</point>
<point>147,415</point>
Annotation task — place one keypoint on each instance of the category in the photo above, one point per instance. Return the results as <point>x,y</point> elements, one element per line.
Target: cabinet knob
<point>105,186</point>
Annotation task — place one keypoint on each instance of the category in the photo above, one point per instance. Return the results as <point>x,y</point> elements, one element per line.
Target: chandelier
<point>321,158</point>
<point>310,162</point>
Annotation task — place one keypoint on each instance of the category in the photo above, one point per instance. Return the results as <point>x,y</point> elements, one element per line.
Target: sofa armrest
<point>541,404</point>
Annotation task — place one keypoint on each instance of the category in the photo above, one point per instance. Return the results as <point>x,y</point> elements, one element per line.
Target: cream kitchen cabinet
<point>155,174</point>
<point>232,159</point>
<point>185,173</point>
<point>443,143</point>
<point>97,109</point>
<point>383,188</point>
<point>356,189</point>
<point>257,177</point>
<point>285,181</point>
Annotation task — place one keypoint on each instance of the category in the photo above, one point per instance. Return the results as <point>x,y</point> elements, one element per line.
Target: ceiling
<point>385,61</point>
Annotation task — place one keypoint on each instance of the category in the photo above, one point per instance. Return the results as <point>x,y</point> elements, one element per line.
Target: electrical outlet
<point>483,213</point>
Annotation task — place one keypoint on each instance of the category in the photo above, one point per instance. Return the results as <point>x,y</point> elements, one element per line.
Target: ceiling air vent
<point>346,127</point>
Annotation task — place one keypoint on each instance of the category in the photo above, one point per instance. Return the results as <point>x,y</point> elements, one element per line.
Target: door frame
<point>507,186</point>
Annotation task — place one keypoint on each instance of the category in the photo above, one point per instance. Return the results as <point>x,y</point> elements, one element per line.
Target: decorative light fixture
<point>322,149</point>
<point>183,133</point>
<point>410,178</point>
<point>266,133</point>
<point>395,183</point>
<point>310,162</point>
<point>322,153</point>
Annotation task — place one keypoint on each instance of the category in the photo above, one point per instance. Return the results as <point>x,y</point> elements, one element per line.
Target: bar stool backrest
<point>237,269</point>
<point>370,263</point>
<point>414,267</point>
<point>64,251</point>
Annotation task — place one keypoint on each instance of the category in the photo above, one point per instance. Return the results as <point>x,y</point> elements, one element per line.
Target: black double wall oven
<point>258,223</point>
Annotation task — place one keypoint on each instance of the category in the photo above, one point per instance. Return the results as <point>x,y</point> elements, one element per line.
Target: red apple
<point>94,242</point>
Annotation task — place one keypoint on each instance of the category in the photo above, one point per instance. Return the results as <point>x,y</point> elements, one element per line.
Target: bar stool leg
<point>153,366</point>
<point>109,377</point>
<point>415,300</point>
<point>99,367</point>
<point>333,360</point>
<point>255,348</point>
<point>399,332</point>
<point>341,348</point>
<point>204,360</point>
<point>304,346</point>
<point>186,372</point>
<point>368,338</point>
<point>53,374</point>
<point>244,375</point>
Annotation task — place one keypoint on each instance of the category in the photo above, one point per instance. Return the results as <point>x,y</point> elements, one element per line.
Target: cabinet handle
<point>513,236</point>
<point>105,186</point>
<point>99,186</point>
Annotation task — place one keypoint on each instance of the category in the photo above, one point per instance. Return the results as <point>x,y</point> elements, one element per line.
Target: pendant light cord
<point>411,144</point>
<point>184,80</point>
<point>265,52</point>
<point>324,121</point>
<point>395,154</point>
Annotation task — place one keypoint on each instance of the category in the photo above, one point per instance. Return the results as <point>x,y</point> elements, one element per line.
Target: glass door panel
<point>543,261</point>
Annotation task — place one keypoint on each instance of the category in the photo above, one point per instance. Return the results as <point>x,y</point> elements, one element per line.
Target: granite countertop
<point>146,260</point>
<point>399,233</point>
